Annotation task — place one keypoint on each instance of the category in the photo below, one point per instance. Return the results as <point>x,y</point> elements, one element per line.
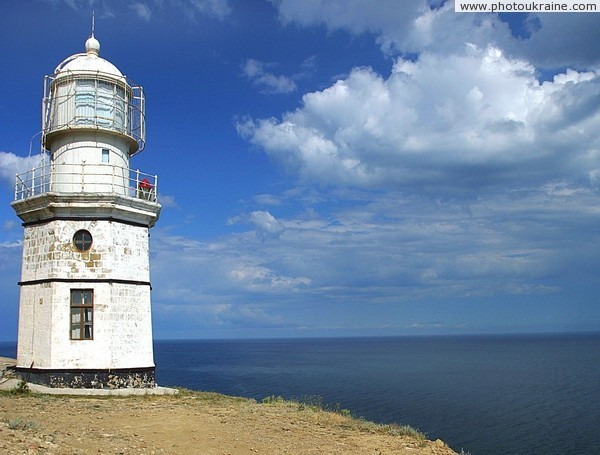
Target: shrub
<point>21,388</point>
<point>272,399</point>
<point>314,402</point>
<point>20,424</point>
<point>406,430</point>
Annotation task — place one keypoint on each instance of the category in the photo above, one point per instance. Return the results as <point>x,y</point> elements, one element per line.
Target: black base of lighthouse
<point>138,378</point>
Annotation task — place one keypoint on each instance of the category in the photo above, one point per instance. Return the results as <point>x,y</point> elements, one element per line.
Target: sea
<point>483,395</point>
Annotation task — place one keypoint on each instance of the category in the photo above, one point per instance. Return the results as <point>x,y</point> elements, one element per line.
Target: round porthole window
<point>82,240</point>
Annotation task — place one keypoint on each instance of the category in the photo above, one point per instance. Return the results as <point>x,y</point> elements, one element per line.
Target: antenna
<point>92,24</point>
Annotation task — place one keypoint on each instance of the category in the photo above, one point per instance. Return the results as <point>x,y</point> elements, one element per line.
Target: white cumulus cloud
<point>465,119</point>
<point>142,10</point>
<point>268,82</point>
<point>11,165</point>
<point>266,225</point>
<point>433,26</point>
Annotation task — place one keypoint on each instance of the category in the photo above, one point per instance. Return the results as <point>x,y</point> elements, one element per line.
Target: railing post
<point>137,183</point>
<point>47,175</point>
<point>50,187</point>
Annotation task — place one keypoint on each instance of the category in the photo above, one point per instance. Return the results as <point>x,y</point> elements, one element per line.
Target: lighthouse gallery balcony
<point>88,179</point>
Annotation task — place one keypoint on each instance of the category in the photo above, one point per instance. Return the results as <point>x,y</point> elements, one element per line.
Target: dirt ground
<point>190,423</point>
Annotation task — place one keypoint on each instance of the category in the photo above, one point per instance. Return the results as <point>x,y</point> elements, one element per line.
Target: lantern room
<point>88,92</point>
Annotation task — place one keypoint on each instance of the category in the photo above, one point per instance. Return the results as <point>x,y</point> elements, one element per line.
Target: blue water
<point>513,394</point>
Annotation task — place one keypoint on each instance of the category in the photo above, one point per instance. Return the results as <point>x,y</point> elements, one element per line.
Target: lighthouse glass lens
<point>82,240</point>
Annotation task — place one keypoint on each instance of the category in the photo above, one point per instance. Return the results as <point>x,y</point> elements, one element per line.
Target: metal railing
<point>98,178</point>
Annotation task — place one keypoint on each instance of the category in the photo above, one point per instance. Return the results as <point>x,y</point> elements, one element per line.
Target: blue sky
<point>337,168</point>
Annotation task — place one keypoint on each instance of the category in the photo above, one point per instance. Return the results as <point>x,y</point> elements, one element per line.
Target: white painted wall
<point>77,163</point>
<point>122,312</point>
<point>119,251</point>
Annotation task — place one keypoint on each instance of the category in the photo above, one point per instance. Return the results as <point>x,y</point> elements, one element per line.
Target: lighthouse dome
<point>88,62</point>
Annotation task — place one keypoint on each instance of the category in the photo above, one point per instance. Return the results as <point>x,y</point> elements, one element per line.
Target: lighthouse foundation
<point>89,379</point>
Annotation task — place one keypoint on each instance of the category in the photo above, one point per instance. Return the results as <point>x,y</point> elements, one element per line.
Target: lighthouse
<point>85,306</point>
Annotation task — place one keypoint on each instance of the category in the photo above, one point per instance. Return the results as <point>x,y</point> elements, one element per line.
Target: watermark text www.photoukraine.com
<point>521,6</point>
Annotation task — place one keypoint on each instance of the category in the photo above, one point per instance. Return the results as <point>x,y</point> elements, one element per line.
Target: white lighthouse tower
<point>84,314</point>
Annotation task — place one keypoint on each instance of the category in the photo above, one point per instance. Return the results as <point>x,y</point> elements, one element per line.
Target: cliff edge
<point>191,423</point>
